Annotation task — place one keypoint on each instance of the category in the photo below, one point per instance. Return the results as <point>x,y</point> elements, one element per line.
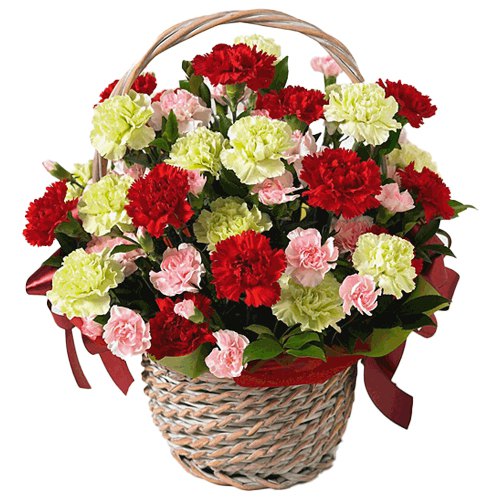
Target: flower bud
<point>56,170</point>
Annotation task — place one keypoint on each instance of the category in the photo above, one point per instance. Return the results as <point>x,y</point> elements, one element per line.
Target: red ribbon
<point>39,283</point>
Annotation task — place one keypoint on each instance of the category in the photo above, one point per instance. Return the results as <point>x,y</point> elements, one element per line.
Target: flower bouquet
<point>252,241</point>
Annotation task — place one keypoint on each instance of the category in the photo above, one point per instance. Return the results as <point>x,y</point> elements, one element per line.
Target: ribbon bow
<point>39,283</point>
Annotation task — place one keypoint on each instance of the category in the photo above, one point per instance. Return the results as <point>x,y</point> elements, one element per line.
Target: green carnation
<point>228,217</point>
<point>200,149</point>
<point>102,205</point>
<point>362,111</point>
<point>80,288</point>
<point>313,308</point>
<point>410,153</point>
<point>120,122</point>
<point>387,259</point>
<point>82,173</point>
<point>257,146</point>
<point>262,43</point>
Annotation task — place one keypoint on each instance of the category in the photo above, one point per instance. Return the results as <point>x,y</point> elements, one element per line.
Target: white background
<point>60,442</point>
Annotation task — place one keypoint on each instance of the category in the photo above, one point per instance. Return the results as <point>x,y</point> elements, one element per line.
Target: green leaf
<point>171,132</point>
<point>72,228</point>
<point>259,330</point>
<point>426,232</point>
<point>161,143</point>
<point>192,364</point>
<point>310,351</point>
<point>205,94</point>
<point>298,341</point>
<point>423,305</point>
<point>440,249</point>
<point>264,348</point>
<point>280,75</point>
<point>416,321</point>
<point>231,184</point>
<point>460,207</point>
<point>184,85</point>
<point>295,123</point>
<point>124,248</point>
<point>195,82</point>
<point>187,68</point>
<point>53,261</point>
<point>385,340</point>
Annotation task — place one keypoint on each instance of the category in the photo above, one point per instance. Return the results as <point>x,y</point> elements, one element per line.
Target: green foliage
<point>280,75</point>
<point>191,365</point>
<point>264,348</point>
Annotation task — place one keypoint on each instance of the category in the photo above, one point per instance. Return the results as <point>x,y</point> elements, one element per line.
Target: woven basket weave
<point>250,438</point>
<point>226,434</point>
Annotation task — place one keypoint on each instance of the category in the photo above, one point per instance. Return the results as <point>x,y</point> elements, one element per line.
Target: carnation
<point>347,231</point>
<point>429,190</point>
<point>246,265</point>
<point>362,111</point>
<point>257,146</point>
<point>174,335</point>
<point>228,217</point>
<point>341,182</point>
<point>388,260</point>
<point>413,105</point>
<point>80,288</point>
<point>409,153</point>
<point>102,205</point>
<point>261,43</point>
<point>313,308</point>
<point>82,174</point>
<point>126,333</point>
<point>144,84</point>
<point>276,190</point>
<point>326,65</point>
<point>159,199</point>
<point>120,122</point>
<point>189,110</point>
<point>235,64</point>
<point>46,213</point>
<point>303,145</point>
<point>306,105</point>
<point>199,150</point>
<point>226,361</point>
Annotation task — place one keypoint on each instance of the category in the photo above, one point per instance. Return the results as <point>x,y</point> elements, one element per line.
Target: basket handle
<point>268,18</point>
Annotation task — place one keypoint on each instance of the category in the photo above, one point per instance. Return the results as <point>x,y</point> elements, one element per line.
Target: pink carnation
<point>91,328</point>
<point>98,243</point>
<point>126,333</point>
<point>393,200</point>
<point>303,145</point>
<point>189,110</point>
<point>308,260</point>
<point>227,360</point>
<point>260,112</point>
<point>136,170</point>
<point>196,182</point>
<point>181,271</point>
<point>359,291</point>
<point>326,65</point>
<point>185,308</point>
<point>349,230</point>
<point>276,190</point>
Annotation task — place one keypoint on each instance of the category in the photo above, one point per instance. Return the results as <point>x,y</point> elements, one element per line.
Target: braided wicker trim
<point>250,438</point>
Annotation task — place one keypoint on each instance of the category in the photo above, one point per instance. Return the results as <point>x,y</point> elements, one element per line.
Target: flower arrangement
<point>259,231</point>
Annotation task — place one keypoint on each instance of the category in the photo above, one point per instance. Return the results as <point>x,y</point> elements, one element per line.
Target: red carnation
<point>413,105</point>
<point>246,264</point>
<point>341,182</point>
<point>46,213</point>
<point>306,105</point>
<point>429,190</point>
<point>174,335</point>
<point>144,84</point>
<point>160,199</point>
<point>231,64</point>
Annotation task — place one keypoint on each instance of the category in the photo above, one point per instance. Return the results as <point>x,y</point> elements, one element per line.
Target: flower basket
<point>248,260</point>
<point>250,438</point>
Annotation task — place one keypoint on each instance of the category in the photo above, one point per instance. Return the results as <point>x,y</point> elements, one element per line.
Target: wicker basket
<point>226,434</point>
<point>250,438</point>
